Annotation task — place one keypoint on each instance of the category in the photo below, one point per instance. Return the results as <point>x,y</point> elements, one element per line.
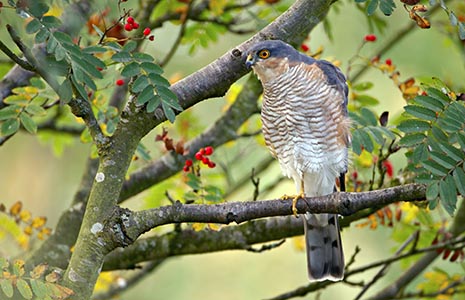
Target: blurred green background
<point>46,183</point>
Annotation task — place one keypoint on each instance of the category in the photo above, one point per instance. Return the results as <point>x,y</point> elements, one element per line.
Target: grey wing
<point>335,78</point>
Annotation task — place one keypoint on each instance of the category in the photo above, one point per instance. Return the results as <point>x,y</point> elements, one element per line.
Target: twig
<point>22,63</point>
<point>444,291</point>
<point>381,272</point>
<point>256,184</point>
<point>265,247</point>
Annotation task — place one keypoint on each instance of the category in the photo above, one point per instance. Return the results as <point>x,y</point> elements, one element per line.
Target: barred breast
<point>304,124</point>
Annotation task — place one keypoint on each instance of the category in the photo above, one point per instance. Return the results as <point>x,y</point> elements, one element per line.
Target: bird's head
<point>270,58</point>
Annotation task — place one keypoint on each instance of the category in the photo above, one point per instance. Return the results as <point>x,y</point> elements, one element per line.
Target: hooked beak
<point>250,60</point>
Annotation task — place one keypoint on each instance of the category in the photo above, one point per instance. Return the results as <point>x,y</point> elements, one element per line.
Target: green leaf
<point>41,36</point>
<point>434,168</point>
<point>80,88</point>
<point>24,288</point>
<point>169,98</point>
<point>159,80</point>
<point>366,141</point>
<point>439,134</point>
<point>461,140</point>
<point>414,125</point>
<point>28,123</point>
<point>39,288</point>
<point>430,102</point>
<point>459,177</point>
<point>372,6</point>
<point>10,127</point>
<point>150,67</point>
<point>143,152</point>
<point>94,49</point>
<point>131,69</point>
<point>7,287</point>
<point>8,112</point>
<point>462,31</point>
<point>366,100</point>
<point>362,86</point>
<point>369,116</point>
<point>375,134</point>
<point>448,194</point>
<point>65,91</point>
<point>437,94</point>
<point>38,83</point>
<point>432,191</point>
<point>153,103</point>
<point>443,160</point>
<point>35,110</point>
<point>142,57</point>
<point>420,112</point>
<point>387,7</point>
<point>193,182</point>
<point>51,22</point>
<point>169,113</point>
<point>356,142</point>
<point>145,96</point>
<point>410,140</point>
<point>452,152</point>
<point>432,204</point>
<point>420,153</point>
<point>130,46</point>
<point>33,26</point>
<point>38,8</point>
<point>139,84</point>
<point>122,57</point>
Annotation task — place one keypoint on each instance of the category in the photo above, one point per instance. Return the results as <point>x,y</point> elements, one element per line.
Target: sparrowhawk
<point>306,127</point>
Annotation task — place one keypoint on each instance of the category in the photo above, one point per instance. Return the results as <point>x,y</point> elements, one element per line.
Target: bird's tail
<point>325,258</point>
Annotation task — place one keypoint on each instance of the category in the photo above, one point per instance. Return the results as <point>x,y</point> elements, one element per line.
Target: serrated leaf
<point>33,26</point>
<point>42,36</point>
<point>448,194</point>
<point>412,139</point>
<point>429,102</point>
<point>35,110</point>
<point>8,112</point>
<point>65,91</point>
<point>459,177</point>
<point>131,69</point>
<point>139,84</point>
<point>387,7</point>
<point>375,134</point>
<point>442,159</point>
<point>145,95</point>
<point>434,168</point>
<point>432,191</point>
<point>122,57</point>
<point>159,80</point>
<point>413,125</point>
<point>151,67</point>
<point>153,103</point>
<point>7,287</point>
<point>51,22</point>
<point>130,46</point>
<point>10,127</point>
<point>366,141</point>
<point>169,113</point>
<point>439,134</point>
<point>372,6</point>
<point>369,116</point>
<point>94,49</point>
<point>24,288</point>
<point>80,88</point>
<point>28,123</point>
<point>39,288</point>
<point>420,112</point>
<point>452,152</point>
<point>437,94</point>
<point>356,142</point>
<point>142,57</point>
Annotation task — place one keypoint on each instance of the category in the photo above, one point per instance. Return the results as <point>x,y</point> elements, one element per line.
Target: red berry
<point>198,156</point>
<point>99,69</point>
<point>355,175</point>
<point>120,82</point>
<point>202,151</point>
<point>208,150</point>
<point>151,37</point>
<point>135,25</point>
<point>211,165</point>
<point>389,62</point>
<point>188,163</point>
<point>304,47</point>
<point>146,31</point>
<point>370,37</point>
<point>205,160</point>
<point>389,168</point>
<point>186,169</point>
<point>128,27</point>
<point>130,20</point>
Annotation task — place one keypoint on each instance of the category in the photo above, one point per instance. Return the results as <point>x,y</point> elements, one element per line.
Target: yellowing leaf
<point>217,6</point>
<point>25,216</point>
<point>38,271</point>
<point>105,281</point>
<point>28,230</point>
<point>299,243</point>
<point>410,210</point>
<point>15,209</point>
<point>365,159</point>
<point>198,226</point>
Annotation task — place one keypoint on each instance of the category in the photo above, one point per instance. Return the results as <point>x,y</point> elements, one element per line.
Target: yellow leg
<point>295,199</point>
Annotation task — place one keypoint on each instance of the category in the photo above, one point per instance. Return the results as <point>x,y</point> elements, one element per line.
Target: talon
<point>294,203</point>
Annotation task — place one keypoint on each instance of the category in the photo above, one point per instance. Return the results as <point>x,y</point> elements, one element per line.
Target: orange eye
<point>264,54</point>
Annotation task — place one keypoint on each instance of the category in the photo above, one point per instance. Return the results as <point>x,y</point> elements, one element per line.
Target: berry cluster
<point>201,155</point>
<point>131,24</point>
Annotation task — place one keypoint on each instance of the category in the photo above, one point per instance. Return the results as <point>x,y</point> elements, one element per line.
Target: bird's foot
<point>294,198</point>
